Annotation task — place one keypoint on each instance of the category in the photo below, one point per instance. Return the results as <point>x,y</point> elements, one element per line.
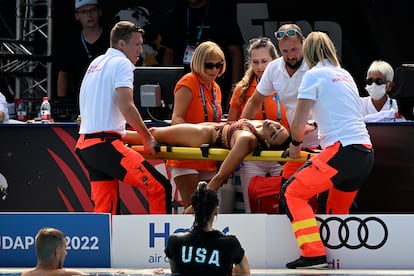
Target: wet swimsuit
<point>224,132</point>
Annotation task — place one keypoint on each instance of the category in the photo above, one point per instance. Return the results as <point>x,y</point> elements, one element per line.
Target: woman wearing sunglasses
<point>378,106</point>
<point>197,98</point>
<point>260,52</point>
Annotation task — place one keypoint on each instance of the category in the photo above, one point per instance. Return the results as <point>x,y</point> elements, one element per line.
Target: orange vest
<point>270,108</point>
<point>200,107</point>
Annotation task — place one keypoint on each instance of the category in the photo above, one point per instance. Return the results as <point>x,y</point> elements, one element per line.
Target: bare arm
<point>299,125</point>
<point>62,84</point>
<point>252,105</point>
<point>234,114</point>
<point>132,116</point>
<point>2,115</point>
<point>182,99</point>
<point>242,268</point>
<point>244,144</point>
<point>234,111</point>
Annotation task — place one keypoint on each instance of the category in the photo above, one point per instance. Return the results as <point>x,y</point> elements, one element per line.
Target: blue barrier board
<point>88,238</point>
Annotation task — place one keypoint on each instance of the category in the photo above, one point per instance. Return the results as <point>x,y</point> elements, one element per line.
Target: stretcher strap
<point>164,152</point>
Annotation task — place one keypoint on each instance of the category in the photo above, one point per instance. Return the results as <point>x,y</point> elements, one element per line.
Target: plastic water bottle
<point>22,111</point>
<point>45,111</point>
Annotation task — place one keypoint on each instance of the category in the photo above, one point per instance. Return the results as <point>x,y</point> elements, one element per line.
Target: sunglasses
<point>261,40</point>
<point>377,81</point>
<point>211,65</point>
<point>281,34</point>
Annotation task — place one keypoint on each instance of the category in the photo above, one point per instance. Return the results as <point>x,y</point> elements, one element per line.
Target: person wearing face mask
<point>378,106</point>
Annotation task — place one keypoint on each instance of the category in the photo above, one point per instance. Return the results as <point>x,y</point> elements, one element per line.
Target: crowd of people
<point>300,100</point>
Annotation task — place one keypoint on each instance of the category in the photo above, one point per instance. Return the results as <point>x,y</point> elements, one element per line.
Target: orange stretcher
<point>204,152</point>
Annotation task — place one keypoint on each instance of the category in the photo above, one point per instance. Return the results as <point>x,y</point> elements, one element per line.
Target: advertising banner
<point>352,241</point>
<point>87,236</point>
<point>139,240</point>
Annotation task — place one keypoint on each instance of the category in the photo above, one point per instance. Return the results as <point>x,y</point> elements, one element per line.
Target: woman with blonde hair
<point>197,98</point>
<point>260,52</point>
<point>330,94</point>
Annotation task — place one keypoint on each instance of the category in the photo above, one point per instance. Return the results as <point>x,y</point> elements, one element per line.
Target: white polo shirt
<point>337,107</point>
<point>276,78</point>
<point>386,114</point>
<point>97,99</point>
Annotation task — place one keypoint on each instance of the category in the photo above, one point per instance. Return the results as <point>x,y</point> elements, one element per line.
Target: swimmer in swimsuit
<point>241,137</point>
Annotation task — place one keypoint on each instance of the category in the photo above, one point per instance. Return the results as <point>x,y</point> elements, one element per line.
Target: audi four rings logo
<point>365,228</point>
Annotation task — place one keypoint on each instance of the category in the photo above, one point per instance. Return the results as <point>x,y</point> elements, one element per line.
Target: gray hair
<point>382,67</point>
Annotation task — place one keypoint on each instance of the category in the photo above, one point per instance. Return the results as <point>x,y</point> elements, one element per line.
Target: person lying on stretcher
<point>241,137</point>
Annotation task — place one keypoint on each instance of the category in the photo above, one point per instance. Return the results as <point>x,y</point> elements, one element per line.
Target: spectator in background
<point>79,49</point>
<point>203,250</point>
<point>197,98</point>
<point>328,92</point>
<point>378,106</point>
<point>260,52</point>
<point>51,253</point>
<point>4,109</point>
<point>194,21</point>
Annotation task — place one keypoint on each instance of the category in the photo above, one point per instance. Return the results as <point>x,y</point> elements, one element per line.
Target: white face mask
<point>376,91</point>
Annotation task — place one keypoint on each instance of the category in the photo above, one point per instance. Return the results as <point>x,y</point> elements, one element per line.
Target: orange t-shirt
<point>196,113</point>
<point>270,108</point>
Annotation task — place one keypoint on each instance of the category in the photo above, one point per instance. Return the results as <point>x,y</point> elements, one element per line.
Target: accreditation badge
<point>188,54</point>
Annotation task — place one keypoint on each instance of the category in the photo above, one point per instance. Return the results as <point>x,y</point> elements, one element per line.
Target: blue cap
<point>80,3</point>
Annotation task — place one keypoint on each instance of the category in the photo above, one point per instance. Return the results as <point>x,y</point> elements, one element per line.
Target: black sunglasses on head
<point>211,65</point>
<point>378,81</point>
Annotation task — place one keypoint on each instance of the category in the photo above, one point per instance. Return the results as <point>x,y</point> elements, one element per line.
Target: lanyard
<point>213,104</point>
<point>201,26</point>
<point>86,47</point>
<point>279,113</point>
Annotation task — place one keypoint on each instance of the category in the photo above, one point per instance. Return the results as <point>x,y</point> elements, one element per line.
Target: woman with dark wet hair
<point>203,250</point>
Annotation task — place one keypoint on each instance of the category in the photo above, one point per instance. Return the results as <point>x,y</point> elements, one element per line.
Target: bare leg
<point>185,135</point>
<point>186,185</point>
<point>132,138</point>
